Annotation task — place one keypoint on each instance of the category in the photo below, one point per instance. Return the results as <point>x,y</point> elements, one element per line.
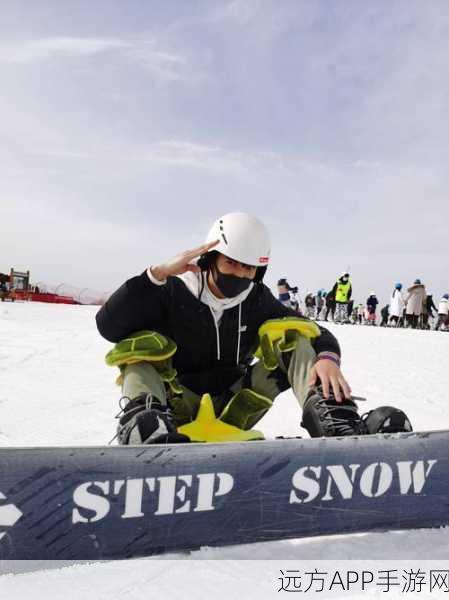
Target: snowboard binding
<point>144,420</point>
<point>386,419</point>
<point>325,417</point>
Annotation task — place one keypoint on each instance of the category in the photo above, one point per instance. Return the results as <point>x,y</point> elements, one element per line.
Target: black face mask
<point>230,285</point>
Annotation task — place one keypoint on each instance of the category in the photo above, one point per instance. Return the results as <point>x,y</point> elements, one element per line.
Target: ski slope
<point>55,389</point>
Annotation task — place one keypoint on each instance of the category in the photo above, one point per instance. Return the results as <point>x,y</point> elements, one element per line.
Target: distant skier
<point>319,302</point>
<point>350,309</point>
<point>310,304</point>
<point>384,313</point>
<point>371,306</point>
<point>415,303</point>
<point>428,309</point>
<point>342,291</point>
<point>288,295</point>
<point>443,313</point>
<point>397,305</point>
<point>204,313</point>
<point>3,290</point>
<point>330,305</point>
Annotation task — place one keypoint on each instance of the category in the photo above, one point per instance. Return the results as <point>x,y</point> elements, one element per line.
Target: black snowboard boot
<point>328,418</point>
<point>387,419</point>
<point>145,421</point>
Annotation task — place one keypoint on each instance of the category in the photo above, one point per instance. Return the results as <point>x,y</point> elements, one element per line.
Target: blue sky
<point>127,128</point>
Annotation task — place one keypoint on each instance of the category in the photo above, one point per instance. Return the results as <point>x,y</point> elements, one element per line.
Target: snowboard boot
<point>386,419</point>
<point>146,421</point>
<point>328,418</point>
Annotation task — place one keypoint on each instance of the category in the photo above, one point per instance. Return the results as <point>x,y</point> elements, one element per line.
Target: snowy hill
<point>56,390</point>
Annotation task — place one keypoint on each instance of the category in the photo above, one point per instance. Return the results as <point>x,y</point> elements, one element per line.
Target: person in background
<point>384,313</point>
<point>330,305</point>
<point>3,290</point>
<point>414,303</point>
<point>354,315</point>
<point>350,308</point>
<point>310,305</point>
<point>371,306</point>
<point>397,305</point>
<point>428,309</point>
<point>443,313</point>
<point>360,313</point>
<point>287,294</point>
<point>319,302</point>
<point>342,291</point>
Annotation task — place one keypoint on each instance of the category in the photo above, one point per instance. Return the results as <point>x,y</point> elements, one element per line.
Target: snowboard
<point>119,502</point>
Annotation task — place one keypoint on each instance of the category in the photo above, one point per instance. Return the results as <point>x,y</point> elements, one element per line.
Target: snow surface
<point>55,389</point>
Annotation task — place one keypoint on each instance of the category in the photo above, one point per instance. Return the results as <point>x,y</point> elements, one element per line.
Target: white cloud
<point>163,64</point>
<point>47,48</point>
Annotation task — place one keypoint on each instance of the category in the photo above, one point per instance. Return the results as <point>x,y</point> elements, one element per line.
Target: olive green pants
<point>142,378</point>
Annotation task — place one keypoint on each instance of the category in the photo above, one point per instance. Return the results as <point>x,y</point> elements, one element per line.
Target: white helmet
<point>242,237</point>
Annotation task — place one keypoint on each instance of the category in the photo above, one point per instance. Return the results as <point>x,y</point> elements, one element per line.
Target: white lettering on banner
<point>9,514</point>
<point>369,476</point>
<point>416,477</point>
<point>206,489</point>
<point>375,480</point>
<point>343,481</point>
<point>175,494</point>
<point>92,501</point>
<point>180,494</point>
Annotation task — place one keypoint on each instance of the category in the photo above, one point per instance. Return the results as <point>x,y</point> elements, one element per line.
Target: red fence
<point>53,298</point>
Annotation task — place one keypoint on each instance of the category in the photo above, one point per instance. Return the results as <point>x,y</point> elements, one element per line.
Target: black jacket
<point>372,302</point>
<point>206,359</point>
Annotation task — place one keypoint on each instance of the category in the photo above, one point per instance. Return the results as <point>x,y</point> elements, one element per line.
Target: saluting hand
<point>182,262</point>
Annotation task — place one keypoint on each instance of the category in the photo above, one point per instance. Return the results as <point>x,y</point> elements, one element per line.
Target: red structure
<point>38,297</point>
<point>16,286</point>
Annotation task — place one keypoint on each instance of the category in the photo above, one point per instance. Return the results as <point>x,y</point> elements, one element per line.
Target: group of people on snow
<point>416,307</point>
<point>413,307</point>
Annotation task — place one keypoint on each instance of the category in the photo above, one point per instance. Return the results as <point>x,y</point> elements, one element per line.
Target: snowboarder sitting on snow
<point>185,329</point>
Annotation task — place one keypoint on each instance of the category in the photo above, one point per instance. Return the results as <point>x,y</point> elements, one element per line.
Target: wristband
<point>329,356</point>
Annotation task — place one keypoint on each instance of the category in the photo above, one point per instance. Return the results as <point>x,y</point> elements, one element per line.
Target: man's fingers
<point>345,387</point>
<point>336,389</point>
<point>325,384</point>
<point>199,250</point>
